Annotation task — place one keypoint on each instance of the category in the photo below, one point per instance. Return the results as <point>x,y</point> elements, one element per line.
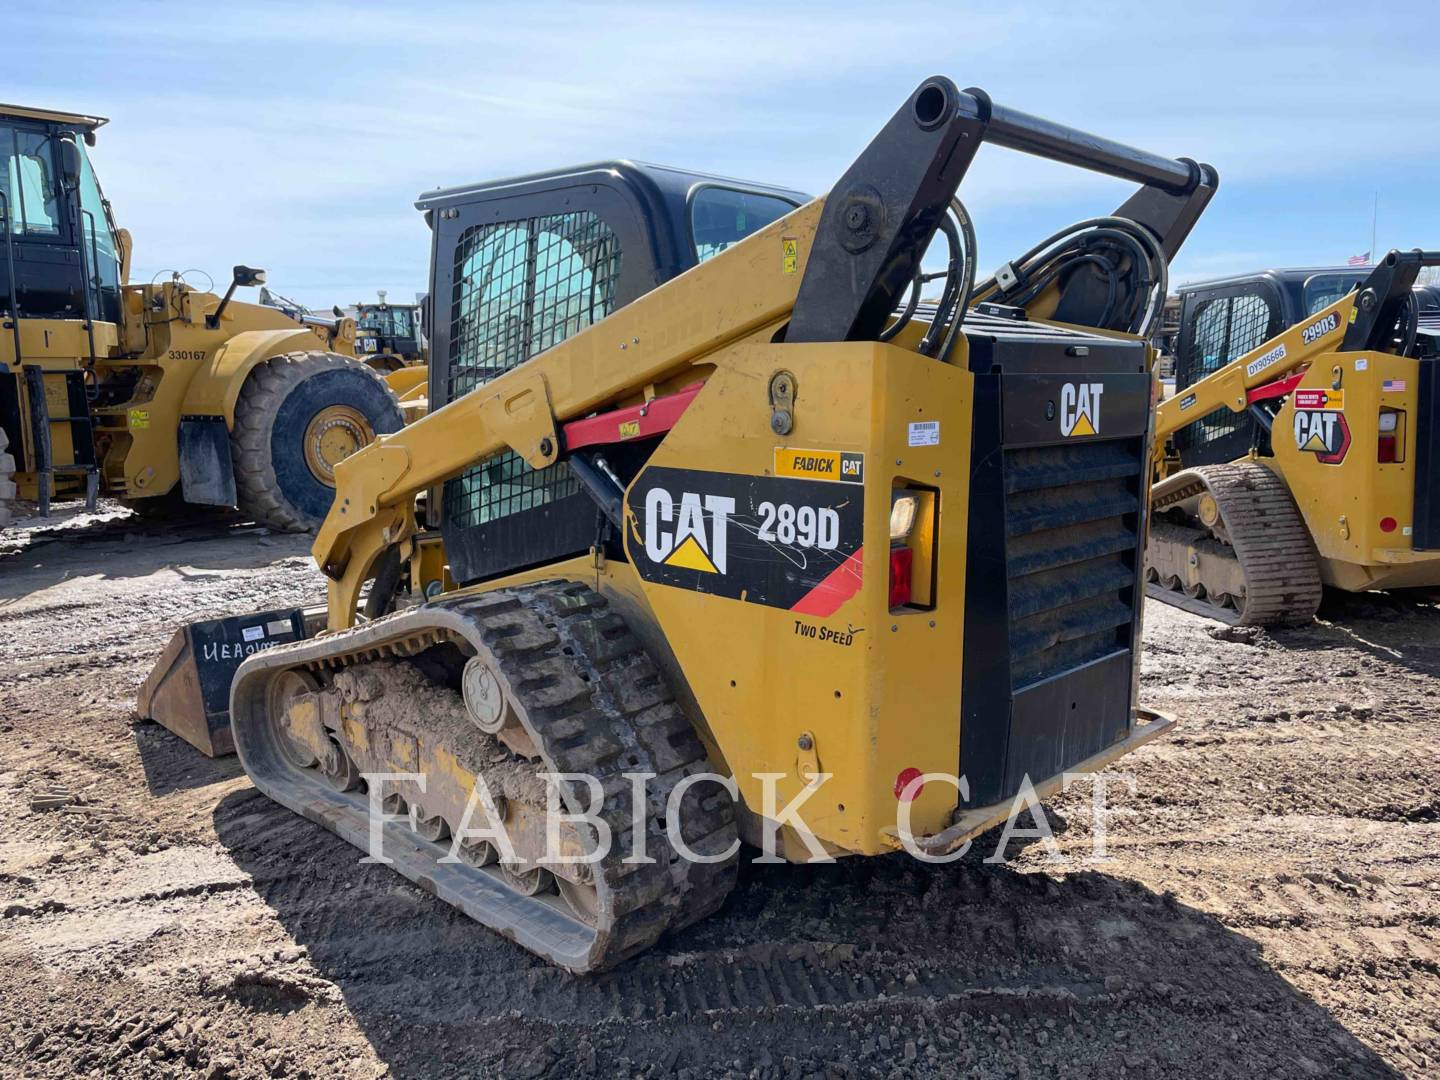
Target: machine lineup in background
<point>1301,448</point>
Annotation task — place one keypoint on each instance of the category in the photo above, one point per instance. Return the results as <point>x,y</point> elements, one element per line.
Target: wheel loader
<point>157,394</point>
<point>728,534</point>
<point>1306,457</point>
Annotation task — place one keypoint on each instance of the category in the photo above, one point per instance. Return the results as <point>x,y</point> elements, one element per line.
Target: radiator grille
<point>1072,518</point>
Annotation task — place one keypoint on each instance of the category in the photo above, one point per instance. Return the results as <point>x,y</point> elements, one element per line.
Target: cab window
<point>101,248</point>
<point>29,182</point>
<point>1321,292</point>
<point>1225,329</point>
<point>520,288</point>
<point>721,216</point>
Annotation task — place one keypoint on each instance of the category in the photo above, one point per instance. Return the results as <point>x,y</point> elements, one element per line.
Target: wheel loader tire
<point>297,416</point>
<point>7,480</point>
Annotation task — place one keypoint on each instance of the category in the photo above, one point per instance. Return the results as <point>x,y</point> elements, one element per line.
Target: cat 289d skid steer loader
<point>771,520</point>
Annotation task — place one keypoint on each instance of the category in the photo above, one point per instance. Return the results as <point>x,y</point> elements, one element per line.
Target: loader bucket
<point>188,690</point>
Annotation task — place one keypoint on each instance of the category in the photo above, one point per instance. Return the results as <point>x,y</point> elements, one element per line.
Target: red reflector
<point>902,562</point>
<point>908,785</point>
<point>1387,524</point>
<point>1389,447</point>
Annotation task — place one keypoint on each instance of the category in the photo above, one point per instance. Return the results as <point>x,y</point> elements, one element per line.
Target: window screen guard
<point>520,288</point>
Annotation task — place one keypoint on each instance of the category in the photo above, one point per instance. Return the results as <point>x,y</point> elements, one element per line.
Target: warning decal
<point>1319,399</point>
<point>779,541</point>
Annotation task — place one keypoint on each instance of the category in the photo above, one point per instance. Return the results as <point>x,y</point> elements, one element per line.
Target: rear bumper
<point>972,822</point>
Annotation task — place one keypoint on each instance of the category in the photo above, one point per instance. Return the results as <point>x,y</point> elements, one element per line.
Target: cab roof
<point>663,179</point>
<point>1283,274</point>
<point>54,116</point>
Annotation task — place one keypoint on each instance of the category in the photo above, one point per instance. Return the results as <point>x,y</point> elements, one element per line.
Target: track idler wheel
<point>339,770</point>
<point>284,691</point>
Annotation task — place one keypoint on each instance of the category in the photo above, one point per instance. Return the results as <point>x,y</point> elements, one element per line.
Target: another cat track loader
<point>1341,412</point>
<point>159,395</point>
<point>759,515</point>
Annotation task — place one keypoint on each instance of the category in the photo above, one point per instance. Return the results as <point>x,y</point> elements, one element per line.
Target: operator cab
<point>391,328</point>
<point>56,232</point>
<point>520,265</point>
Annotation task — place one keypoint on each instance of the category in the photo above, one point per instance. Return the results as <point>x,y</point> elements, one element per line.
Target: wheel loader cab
<point>387,335</point>
<point>41,154</point>
<point>519,266</point>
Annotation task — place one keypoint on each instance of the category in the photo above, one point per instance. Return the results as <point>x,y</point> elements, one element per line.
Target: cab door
<point>1218,326</point>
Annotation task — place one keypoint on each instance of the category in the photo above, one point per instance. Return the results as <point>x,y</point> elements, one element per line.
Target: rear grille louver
<point>1071,517</point>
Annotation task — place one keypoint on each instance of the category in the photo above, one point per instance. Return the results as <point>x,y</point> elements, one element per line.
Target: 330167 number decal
<point>804,526</point>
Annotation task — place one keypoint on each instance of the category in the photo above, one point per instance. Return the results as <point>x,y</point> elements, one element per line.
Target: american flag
<point>1359,260</point>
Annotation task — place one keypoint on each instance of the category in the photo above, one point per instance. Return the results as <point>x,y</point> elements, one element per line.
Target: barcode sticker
<point>253,633</point>
<point>925,433</point>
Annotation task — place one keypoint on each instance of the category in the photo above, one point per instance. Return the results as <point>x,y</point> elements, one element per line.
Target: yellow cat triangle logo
<point>691,556</point>
<point>1315,443</point>
<point>1082,426</point>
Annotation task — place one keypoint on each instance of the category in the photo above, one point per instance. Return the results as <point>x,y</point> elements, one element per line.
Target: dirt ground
<point>1271,905</point>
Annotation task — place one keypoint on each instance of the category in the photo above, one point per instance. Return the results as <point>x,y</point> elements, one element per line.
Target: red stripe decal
<point>838,586</point>
<point>1276,389</point>
<point>635,422</point>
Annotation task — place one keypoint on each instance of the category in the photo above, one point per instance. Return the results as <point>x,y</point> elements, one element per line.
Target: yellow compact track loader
<point>730,536</point>
<point>1307,456</point>
<point>158,394</point>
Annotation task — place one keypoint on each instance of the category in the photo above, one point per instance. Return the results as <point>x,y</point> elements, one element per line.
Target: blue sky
<point>295,136</point>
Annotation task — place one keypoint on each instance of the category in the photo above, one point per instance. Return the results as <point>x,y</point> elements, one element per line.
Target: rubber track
<point>598,705</point>
<point>7,480</point>
<point>1265,531</point>
<point>257,491</point>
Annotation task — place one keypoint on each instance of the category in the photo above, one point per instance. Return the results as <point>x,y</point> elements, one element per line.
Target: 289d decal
<point>778,541</point>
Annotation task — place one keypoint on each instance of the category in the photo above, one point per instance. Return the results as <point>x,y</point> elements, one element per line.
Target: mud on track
<point>1271,905</point>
